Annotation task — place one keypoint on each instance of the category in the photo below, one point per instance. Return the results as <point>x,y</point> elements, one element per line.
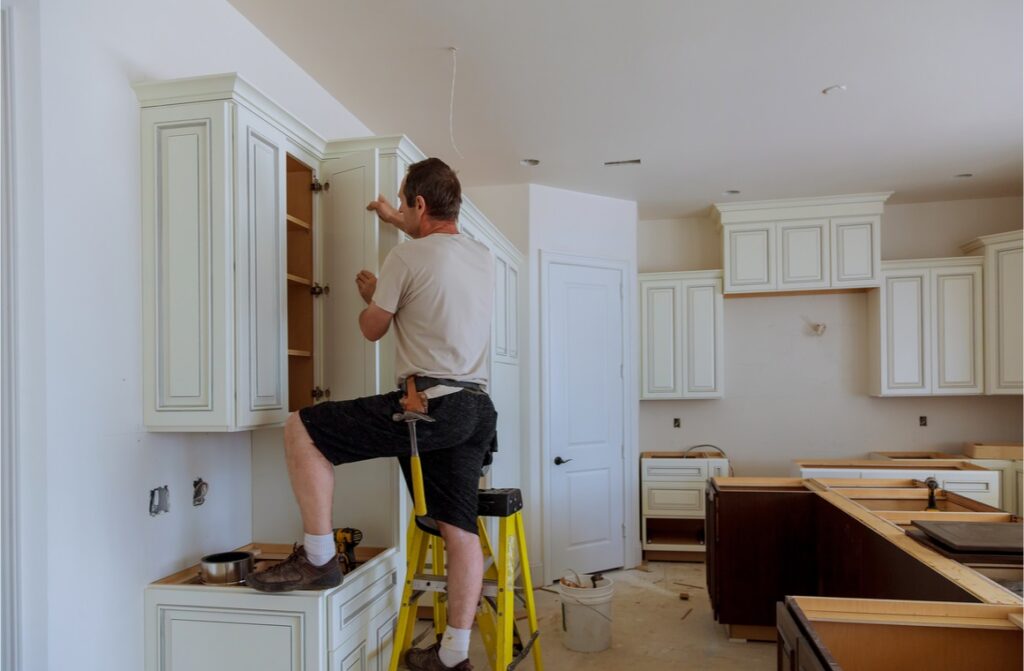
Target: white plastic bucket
<point>587,616</point>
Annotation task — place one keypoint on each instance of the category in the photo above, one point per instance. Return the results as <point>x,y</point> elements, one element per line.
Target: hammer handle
<point>419,499</point>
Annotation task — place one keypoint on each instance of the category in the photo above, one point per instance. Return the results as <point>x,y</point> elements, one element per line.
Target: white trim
<point>953,261</point>
<point>878,197</point>
<point>994,239</point>
<point>632,551</point>
<point>10,586</point>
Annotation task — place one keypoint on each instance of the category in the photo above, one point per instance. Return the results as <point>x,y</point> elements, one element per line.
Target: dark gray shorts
<point>452,448</point>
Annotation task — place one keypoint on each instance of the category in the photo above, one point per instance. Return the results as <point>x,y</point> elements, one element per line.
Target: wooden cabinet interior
<point>896,635</point>
<point>299,225</point>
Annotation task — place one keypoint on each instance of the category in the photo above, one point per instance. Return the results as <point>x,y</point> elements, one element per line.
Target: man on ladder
<point>438,290</point>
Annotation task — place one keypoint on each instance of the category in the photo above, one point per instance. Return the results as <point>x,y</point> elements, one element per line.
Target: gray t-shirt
<point>441,291</point>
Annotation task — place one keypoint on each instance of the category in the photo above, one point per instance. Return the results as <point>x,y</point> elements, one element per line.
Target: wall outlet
<point>159,501</point>
<point>676,423</point>
<point>922,421</point>
<point>199,489</point>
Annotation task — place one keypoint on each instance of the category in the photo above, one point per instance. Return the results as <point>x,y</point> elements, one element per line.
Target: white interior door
<point>583,416</point>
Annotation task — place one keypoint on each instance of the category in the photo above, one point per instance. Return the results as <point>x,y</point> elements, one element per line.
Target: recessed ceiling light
<point>965,174</point>
<point>529,162</point>
<point>835,88</point>
<point>632,161</point>
<point>731,192</point>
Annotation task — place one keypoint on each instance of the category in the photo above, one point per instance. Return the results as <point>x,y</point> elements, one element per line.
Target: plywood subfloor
<point>649,631</point>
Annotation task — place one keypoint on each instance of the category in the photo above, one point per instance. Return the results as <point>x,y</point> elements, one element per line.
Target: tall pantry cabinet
<point>254,228</point>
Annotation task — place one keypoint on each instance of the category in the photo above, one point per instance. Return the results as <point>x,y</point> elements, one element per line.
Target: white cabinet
<point>1004,311</point>
<point>673,491</point>
<point>749,259</point>
<point>803,254</point>
<point>856,251</point>
<point>974,483</point>
<point>925,328</point>
<point>213,199</point>
<point>194,627</point>
<point>801,244</point>
<point>682,341</point>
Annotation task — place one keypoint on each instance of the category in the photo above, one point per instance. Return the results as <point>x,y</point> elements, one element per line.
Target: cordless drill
<point>346,539</point>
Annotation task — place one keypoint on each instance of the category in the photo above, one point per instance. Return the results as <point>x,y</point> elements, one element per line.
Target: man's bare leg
<point>311,475</point>
<point>465,574</point>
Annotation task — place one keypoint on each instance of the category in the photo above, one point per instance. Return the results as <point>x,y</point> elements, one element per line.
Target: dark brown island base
<point>771,538</point>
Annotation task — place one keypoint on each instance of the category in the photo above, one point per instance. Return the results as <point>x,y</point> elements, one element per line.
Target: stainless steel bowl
<point>226,568</point>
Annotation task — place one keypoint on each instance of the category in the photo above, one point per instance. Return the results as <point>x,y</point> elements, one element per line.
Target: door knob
<point>559,461</point>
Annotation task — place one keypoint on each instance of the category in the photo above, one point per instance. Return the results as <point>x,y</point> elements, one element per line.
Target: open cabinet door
<point>366,493</point>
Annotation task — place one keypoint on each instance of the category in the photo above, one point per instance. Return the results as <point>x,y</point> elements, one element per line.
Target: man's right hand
<point>385,211</point>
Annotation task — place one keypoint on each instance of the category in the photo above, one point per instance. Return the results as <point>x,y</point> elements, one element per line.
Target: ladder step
<point>424,582</point>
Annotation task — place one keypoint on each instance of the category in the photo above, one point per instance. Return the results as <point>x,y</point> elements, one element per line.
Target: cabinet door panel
<point>213,640</point>
<point>1009,318</point>
<point>500,302</point>
<point>677,500</point>
<point>703,340</point>
<point>856,251</point>
<point>907,365</point>
<point>750,257</point>
<point>260,262</point>
<point>803,254</point>
<point>957,330</point>
<point>662,365</point>
<point>186,271</point>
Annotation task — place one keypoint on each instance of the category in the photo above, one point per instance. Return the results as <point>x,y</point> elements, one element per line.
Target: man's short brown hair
<point>437,184</point>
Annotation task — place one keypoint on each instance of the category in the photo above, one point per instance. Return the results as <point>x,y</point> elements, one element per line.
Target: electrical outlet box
<point>676,423</point>
<point>159,500</point>
<point>922,421</point>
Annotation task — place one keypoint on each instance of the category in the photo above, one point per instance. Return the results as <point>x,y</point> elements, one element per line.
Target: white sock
<point>319,549</point>
<point>454,646</point>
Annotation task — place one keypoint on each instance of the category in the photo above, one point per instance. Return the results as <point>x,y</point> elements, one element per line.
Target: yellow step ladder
<point>496,612</point>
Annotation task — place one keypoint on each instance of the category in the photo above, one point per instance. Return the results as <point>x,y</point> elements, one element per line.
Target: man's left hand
<point>366,282</point>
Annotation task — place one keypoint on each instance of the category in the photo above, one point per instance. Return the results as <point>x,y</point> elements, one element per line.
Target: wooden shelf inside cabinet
<point>300,280</point>
<point>296,224</point>
<point>299,229</point>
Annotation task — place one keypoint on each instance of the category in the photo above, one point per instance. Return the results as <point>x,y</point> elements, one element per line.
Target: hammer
<point>414,405</point>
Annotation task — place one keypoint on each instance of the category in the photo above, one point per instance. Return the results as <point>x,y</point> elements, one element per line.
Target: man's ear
<point>421,204</point>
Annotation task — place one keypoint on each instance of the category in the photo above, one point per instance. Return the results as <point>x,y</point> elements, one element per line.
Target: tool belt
<point>424,382</point>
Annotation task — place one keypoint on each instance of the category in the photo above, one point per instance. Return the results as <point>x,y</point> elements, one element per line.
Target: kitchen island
<point>769,538</point>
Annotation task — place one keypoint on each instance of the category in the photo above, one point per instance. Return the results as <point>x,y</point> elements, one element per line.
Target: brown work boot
<point>427,659</point>
<point>296,572</point>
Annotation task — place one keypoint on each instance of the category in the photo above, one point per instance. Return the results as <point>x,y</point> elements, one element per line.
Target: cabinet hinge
<point>318,290</point>
<point>620,371</point>
<point>623,530</point>
<point>317,186</point>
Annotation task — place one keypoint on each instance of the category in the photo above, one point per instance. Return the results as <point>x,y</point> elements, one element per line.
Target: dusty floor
<point>650,628</point>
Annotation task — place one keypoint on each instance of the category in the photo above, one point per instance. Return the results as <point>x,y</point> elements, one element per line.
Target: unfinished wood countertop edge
<point>894,465</point>
<point>970,580</point>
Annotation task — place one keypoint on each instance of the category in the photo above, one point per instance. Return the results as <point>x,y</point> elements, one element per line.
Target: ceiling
<point>712,95</point>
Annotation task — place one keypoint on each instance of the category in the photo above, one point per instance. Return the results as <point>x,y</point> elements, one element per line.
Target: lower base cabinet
<point>851,634</point>
<point>195,627</point>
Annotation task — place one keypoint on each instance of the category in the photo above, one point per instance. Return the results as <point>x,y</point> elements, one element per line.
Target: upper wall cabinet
<point>801,244</point>
<point>214,258</point>
<point>925,328</point>
<point>1004,311</point>
<point>681,341</point>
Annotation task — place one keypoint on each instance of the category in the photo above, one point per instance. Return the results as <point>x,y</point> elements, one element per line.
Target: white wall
<point>540,219</point>
<point>90,546</point>
<point>790,394</point>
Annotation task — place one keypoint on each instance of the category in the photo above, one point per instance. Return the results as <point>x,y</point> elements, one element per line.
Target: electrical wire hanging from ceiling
<point>451,105</point>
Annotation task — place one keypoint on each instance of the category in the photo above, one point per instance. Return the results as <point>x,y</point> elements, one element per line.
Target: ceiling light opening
<point>529,162</point>
<point>731,192</point>
<point>965,174</point>
<point>632,161</point>
<point>835,88</point>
